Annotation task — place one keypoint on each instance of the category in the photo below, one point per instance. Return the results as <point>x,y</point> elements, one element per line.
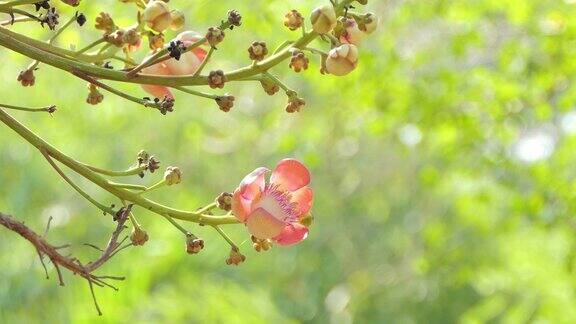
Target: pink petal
<point>188,64</point>
<point>240,206</point>
<point>290,174</point>
<point>157,90</point>
<point>291,234</point>
<point>253,184</point>
<point>304,198</point>
<point>263,225</point>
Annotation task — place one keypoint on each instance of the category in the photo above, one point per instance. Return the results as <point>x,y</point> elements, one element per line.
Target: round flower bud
<point>298,61</point>
<point>323,19</point>
<point>157,15</point>
<point>369,23</point>
<point>138,236</point>
<point>94,96</point>
<point>172,176</point>
<point>350,33</point>
<point>342,59</point>
<point>224,201</point>
<point>225,102</point>
<point>178,19</point>
<point>216,79</point>
<point>214,36</point>
<point>27,78</point>
<point>257,51</point>
<point>194,244</point>
<point>235,257</point>
<point>104,22</point>
<point>293,20</point>
<point>132,38</point>
<point>156,42</point>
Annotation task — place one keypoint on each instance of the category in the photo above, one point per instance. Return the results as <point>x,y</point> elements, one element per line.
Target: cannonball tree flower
<point>342,59</point>
<point>188,63</point>
<point>275,210</point>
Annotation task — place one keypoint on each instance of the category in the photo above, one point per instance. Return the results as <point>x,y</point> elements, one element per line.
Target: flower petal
<point>290,175</point>
<point>291,234</point>
<point>240,206</point>
<point>188,64</point>
<point>304,198</point>
<point>157,91</point>
<point>263,225</point>
<point>253,184</point>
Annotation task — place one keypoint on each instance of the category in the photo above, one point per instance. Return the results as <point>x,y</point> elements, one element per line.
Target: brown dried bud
<point>142,158</point>
<point>131,37</point>
<point>294,104</point>
<point>153,164</point>
<point>293,20</point>
<point>156,42</point>
<point>225,102</point>
<point>214,36</point>
<point>104,22</point>
<point>224,201</point>
<point>235,257</point>
<point>234,18</point>
<point>299,61</point>
<point>172,176</point>
<point>27,78</point>
<point>258,51</point>
<point>216,79</point>
<point>270,87</point>
<point>260,244</point>
<point>166,105</point>
<point>194,244</point>
<point>94,96</point>
<point>138,236</point>
<point>115,38</point>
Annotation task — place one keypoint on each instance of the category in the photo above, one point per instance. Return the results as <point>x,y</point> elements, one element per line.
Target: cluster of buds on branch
<point>274,212</point>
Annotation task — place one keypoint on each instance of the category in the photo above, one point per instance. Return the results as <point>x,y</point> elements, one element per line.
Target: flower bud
<point>172,176</point>
<point>178,19</point>
<point>225,102</point>
<point>94,96</point>
<point>257,51</point>
<point>234,18</point>
<point>216,79</point>
<point>153,164</point>
<point>260,244</point>
<point>350,32</point>
<point>156,41</point>
<point>224,201</point>
<point>138,236</point>
<point>294,104</point>
<point>157,15</point>
<point>323,19</point>
<point>293,20</point>
<point>72,3</point>
<point>27,78</point>
<point>214,36</point>
<point>269,87</point>
<point>342,59</point>
<point>235,257</point>
<point>132,38</point>
<point>194,244</point>
<point>368,23</point>
<point>104,22</point>
<point>115,38</point>
<point>298,61</point>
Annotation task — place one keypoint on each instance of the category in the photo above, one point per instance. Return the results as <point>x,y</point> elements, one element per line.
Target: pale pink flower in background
<point>274,210</point>
<point>188,64</point>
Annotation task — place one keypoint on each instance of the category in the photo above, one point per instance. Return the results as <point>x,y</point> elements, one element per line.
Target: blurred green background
<point>443,170</point>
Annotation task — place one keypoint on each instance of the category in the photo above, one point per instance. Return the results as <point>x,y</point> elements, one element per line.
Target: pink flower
<point>351,34</point>
<point>188,64</point>
<point>274,210</point>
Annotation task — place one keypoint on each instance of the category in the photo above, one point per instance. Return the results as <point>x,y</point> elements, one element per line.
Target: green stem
<point>48,109</point>
<point>129,172</point>
<point>278,82</point>
<point>16,3</point>
<point>89,46</point>
<point>98,180</point>
<point>207,208</point>
<point>155,186</point>
<point>178,226</point>
<point>127,186</point>
<point>196,93</point>
<point>206,59</point>
<point>226,237</point>
<point>106,210</point>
